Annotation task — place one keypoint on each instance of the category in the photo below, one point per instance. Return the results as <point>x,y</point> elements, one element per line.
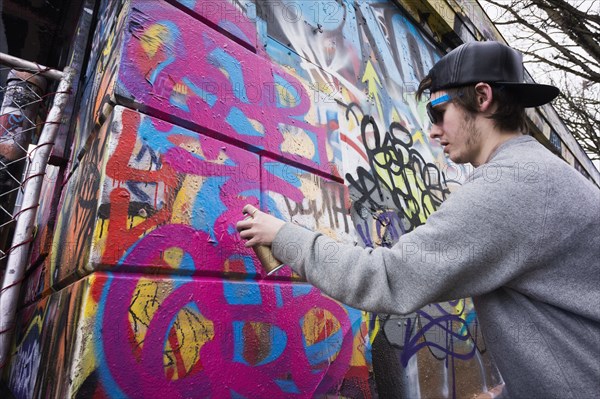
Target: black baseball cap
<point>493,63</point>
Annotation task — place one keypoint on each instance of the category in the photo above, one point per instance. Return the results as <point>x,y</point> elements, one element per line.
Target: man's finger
<point>249,210</point>
<point>246,234</point>
<point>243,224</point>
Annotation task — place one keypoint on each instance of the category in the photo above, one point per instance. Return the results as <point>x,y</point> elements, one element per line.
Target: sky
<point>543,73</point>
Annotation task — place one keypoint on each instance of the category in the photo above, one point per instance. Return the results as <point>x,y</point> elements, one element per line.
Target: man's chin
<point>452,157</point>
<point>457,158</point>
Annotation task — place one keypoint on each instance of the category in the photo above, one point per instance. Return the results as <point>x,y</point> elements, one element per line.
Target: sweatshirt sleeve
<point>481,237</point>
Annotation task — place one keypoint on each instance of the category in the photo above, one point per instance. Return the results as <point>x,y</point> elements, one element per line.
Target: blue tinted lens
<point>431,113</point>
<point>436,116</point>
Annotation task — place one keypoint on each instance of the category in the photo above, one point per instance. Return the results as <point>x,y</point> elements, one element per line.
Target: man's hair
<point>509,115</point>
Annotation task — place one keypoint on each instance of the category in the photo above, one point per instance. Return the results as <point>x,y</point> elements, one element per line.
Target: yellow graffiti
<point>370,77</point>
<point>257,125</point>
<point>184,202</point>
<point>109,45</point>
<point>153,38</point>
<point>192,331</point>
<point>418,137</point>
<point>180,94</point>
<point>359,344</point>
<point>317,325</point>
<point>310,187</point>
<point>101,231</point>
<point>375,330</point>
<point>173,257</point>
<point>388,168</point>
<point>286,98</point>
<point>87,359</point>
<point>189,332</point>
<point>297,142</point>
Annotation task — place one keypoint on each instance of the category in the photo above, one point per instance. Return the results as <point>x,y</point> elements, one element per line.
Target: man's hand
<point>258,228</point>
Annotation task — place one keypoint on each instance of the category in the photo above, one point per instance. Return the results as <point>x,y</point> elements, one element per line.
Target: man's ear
<point>485,97</point>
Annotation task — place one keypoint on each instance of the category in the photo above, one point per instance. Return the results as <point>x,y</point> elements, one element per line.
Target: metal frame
<point>24,233</point>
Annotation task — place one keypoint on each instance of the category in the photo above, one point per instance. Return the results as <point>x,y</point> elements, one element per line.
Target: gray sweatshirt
<point>521,236</point>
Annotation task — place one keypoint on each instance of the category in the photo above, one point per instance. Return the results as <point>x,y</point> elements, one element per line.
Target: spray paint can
<point>267,260</point>
<point>265,256</point>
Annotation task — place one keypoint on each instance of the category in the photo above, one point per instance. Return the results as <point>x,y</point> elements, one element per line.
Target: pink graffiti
<point>225,17</point>
<point>239,184</point>
<point>201,79</point>
<point>219,374</point>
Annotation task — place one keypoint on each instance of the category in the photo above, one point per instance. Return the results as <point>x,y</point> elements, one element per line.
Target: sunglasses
<point>437,115</point>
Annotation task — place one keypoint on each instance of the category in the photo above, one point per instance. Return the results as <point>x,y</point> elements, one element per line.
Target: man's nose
<point>435,132</point>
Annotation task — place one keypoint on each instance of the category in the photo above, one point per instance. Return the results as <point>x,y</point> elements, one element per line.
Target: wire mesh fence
<point>25,122</point>
<point>22,115</point>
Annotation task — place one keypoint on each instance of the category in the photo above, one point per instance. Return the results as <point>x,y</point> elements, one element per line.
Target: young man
<point>521,236</point>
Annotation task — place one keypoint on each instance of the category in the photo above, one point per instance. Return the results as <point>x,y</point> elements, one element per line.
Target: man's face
<point>456,130</point>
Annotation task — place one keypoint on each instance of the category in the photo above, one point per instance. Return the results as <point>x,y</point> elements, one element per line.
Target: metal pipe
<point>22,97</point>
<point>30,66</point>
<point>25,220</point>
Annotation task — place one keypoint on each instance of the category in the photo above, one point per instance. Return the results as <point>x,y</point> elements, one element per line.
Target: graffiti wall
<point>193,109</point>
<point>372,57</point>
<point>45,341</point>
<point>112,335</point>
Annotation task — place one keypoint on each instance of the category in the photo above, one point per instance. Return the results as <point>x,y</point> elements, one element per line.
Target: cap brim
<point>532,94</point>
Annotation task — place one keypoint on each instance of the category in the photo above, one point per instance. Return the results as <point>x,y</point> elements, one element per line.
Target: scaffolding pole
<point>18,254</point>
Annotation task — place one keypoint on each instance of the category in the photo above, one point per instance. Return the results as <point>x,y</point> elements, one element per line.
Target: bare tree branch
<point>559,39</point>
<point>543,34</point>
<point>547,61</point>
<point>573,25</point>
<point>568,8</point>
